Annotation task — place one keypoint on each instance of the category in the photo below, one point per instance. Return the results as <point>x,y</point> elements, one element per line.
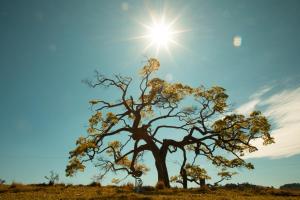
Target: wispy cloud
<point>255,100</point>
<point>283,109</point>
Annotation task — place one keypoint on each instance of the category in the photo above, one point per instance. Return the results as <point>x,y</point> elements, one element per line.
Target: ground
<point>64,192</point>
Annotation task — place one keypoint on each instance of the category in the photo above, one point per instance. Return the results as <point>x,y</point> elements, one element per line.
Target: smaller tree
<point>54,177</point>
<point>2,181</point>
<point>191,173</point>
<point>198,175</point>
<point>224,175</point>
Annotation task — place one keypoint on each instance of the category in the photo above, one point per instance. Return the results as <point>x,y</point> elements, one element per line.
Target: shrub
<point>2,181</point>
<point>128,185</point>
<point>148,188</point>
<point>15,185</point>
<point>95,184</point>
<point>52,178</point>
<point>293,186</point>
<point>204,189</point>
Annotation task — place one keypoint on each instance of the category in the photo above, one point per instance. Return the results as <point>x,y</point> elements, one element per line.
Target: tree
<point>224,174</point>
<point>54,177</point>
<point>198,175</point>
<point>191,173</point>
<point>200,115</point>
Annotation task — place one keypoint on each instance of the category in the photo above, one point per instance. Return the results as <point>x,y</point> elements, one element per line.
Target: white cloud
<point>248,107</point>
<point>255,99</point>
<point>283,109</point>
<point>261,92</point>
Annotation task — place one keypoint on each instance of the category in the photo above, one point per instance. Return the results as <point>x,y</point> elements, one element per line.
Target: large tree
<point>193,119</point>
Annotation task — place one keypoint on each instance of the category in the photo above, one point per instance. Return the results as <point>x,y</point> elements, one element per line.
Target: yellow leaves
<point>196,172</point>
<point>255,113</point>
<point>91,130</point>
<point>175,179</point>
<point>129,102</point>
<point>95,119</point>
<point>268,140</point>
<point>190,147</point>
<point>73,166</point>
<point>156,84</point>
<point>216,95</point>
<point>151,66</point>
<point>219,125</point>
<point>260,124</point>
<point>141,167</point>
<point>240,129</point>
<point>111,118</point>
<point>236,162</point>
<point>115,181</point>
<point>115,146</point>
<point>226,174</point>
<point>147,112</point>
<point>114,149</point>
<point>93,102</point>
<point>124,162</point>
<point>176,92</point>
<point>252,149</point>
<point>83,145</point>
<point>172,92</point>
<point>249,165</point>
<point>131,116</point>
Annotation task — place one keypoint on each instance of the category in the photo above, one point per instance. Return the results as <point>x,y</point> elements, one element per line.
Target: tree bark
<point>202,182</point>
<point>160,159</point>
<point>184,178</point>
<point>162,171</point>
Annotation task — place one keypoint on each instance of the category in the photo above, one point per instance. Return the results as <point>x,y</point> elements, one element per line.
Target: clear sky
<point>48,47</point>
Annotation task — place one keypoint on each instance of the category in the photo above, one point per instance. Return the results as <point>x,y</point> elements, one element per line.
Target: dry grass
<point>56,192</point>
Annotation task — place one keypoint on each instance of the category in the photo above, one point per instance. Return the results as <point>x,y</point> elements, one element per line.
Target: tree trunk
<point>202,182</point>
<point>184,178</point>
<point>160,161</point>
<point>162,171</point>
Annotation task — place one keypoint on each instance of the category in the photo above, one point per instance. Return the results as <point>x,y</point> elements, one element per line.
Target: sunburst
<point>161,34</point>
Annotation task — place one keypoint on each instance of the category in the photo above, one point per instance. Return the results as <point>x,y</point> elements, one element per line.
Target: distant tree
<point>52,178</point>
<point>224,175</point>
<point>192,173</point>
<point>294,186</point>
<point>2,181</point>
<point>198,175</point>
<point>199,114</point>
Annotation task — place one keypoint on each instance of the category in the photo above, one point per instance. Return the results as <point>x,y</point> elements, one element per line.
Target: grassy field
<point>60,191</point>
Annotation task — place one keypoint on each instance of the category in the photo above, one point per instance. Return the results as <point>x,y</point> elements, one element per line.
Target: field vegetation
<point>94,191</point>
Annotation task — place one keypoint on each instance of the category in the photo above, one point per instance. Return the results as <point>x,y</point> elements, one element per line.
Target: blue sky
<point>48,47</point>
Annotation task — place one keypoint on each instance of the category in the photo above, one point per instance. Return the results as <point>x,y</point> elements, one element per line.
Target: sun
<point>161,34</point>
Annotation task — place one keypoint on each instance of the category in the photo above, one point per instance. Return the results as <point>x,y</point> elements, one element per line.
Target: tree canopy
<point>120,132</point>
